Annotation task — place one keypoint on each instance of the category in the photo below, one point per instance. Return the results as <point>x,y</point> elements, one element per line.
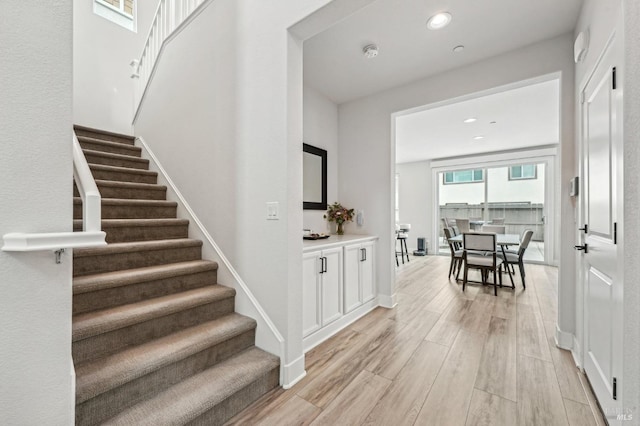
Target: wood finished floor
<point>441,357</point>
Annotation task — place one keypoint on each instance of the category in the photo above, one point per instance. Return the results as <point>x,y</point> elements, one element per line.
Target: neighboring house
<point>225,114</point>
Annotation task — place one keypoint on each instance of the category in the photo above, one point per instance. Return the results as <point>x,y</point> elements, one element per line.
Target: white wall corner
<point>292,372</point>
<point>387,301</point>
<point>563,339</point>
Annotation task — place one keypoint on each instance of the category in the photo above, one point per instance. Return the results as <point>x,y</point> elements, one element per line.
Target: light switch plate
<point>272,210</point>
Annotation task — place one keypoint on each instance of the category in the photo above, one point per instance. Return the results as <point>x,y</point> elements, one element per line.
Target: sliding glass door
<point>513,195</point>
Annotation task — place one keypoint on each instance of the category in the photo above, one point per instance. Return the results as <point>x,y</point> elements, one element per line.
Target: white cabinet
<point>322,289</point>
<point>359,282</point>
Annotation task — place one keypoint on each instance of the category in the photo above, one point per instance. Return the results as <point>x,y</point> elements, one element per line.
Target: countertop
<point>335,241</point>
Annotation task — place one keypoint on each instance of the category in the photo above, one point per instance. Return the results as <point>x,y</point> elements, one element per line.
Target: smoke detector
<point>370,51</point>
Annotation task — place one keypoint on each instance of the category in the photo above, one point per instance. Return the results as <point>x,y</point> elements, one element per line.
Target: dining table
<point>502,240</point>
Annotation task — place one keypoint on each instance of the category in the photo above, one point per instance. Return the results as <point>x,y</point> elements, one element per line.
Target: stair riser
<point>124,150</point>
<point>133,293</point>
<point>124,177</point>
<point>129,193</point>
<point>110,138</point>
<point>237,402</point>
<point>111,342</point>
<point>118,261</point>
<point>131,212</point>
<point>119,162</point>
<point>127,234</point>
<point>116,400</point>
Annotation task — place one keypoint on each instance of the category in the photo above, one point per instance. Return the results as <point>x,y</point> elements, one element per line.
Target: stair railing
<point>170,18</point>
<point>91,235</point>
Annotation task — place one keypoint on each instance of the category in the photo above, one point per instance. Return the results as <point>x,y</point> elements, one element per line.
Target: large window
<point>121,12</point>
<point>523,171</point>
<point>464,176</point>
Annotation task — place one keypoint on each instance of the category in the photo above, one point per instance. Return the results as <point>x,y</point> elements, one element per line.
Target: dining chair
<point>518,258</point>
<point>496,229</point>
<point>497,221</point>
<point>463,225</point>
<point>479,252</point>
<point>456,254</point>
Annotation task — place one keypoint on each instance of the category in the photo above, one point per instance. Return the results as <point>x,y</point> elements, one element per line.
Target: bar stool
<point>402,235</point>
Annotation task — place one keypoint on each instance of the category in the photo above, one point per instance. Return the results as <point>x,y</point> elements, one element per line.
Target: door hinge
<point>615,232</point>
<point>615,389</point>
<point>614,83</point>
<point>585,228</point>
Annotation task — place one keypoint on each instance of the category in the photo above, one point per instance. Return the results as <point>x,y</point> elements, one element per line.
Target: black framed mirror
<point>314,183</point>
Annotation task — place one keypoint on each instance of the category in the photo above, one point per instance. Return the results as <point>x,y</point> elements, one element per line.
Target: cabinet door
<point>367,271</point>
<point>331,285</point>
<point>351,278</point>
<point>310,293</point>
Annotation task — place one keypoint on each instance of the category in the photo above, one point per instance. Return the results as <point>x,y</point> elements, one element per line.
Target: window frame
<point>444,176</point>
<point>515,178</point>
<point>117,15</point>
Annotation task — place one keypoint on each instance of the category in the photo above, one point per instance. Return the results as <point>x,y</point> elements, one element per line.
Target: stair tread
<point>99,376</point>
<point>104,132</point>
<point>130,185</point>
<point>131,201</point>
<point>93,323</point>
<point>194,396</point>
<point>134,149</point>
<point>116,223</point>
<point>88,283</point>
<point>120,169</point>
<point>112,155</point>
<point>136,246</point>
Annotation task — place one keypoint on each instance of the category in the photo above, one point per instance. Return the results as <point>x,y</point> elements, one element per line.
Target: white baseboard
<point>577,353</point>
<point>387,301</point>
<point>293,372</point>
<point>563,339</point>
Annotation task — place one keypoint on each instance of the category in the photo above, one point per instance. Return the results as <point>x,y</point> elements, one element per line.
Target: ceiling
<point>524,117</point>
<point>335,65</point>
<point>408,51</point>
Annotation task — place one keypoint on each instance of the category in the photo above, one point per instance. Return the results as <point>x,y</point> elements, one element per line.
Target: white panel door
<point>352,298</point>
<point>331,304</point>
<point>311,265</point>
<point>601,206</point>
<point>367,277</point>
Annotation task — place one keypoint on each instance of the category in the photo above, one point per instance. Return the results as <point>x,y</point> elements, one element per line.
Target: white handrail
<point>91,202</point>
<point>170,18</point>
<point>91,235</point>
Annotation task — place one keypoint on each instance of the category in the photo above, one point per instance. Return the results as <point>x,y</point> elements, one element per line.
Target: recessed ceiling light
<point>492,122</point>
<point>458,48</point>
<point>477,138</point>
<point>370,51</point>
<point>439,20</point>
<point>470,120</point>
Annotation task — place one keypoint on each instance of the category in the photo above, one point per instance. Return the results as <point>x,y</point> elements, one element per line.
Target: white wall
<point>102,51</point>
<point>601,18</point>
<point>415,190</point>
<point>320,129</point>
<point>631,387</point>
<point>367,156</point>
<point>228,129</point>
<point>36,174</point>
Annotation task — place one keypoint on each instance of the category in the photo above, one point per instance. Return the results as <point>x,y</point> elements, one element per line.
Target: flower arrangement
<point>339,214</point>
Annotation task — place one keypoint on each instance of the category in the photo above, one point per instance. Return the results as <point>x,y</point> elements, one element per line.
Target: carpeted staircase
<point>156,340</point>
